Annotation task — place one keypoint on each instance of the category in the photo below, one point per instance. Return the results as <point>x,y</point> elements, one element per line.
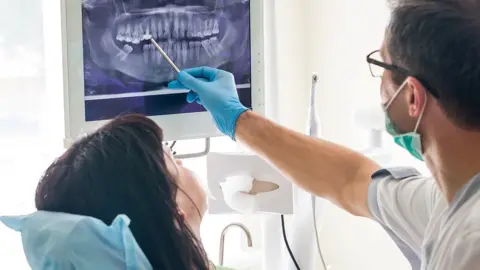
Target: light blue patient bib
<point>58,241</point>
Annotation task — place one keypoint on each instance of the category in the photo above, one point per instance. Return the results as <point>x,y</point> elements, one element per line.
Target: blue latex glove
<point>215,89</point>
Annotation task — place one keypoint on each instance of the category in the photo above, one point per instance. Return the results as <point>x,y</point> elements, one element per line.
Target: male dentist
<point>429,65</point>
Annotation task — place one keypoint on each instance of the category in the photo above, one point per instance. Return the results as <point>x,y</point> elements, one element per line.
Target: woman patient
<point>123,168</point>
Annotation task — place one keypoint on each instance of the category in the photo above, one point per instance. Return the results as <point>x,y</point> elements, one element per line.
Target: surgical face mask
<point>410,141</point>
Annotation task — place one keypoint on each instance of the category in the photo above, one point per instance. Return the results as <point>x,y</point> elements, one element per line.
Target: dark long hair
<point>121,169</point>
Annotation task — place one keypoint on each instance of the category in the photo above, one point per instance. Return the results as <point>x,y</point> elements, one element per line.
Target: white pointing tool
<point>164,54</point>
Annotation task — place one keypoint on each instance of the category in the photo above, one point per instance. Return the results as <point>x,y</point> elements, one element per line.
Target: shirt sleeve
<point>403,201</point>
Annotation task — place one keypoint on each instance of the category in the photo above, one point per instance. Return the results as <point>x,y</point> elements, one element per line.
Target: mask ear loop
<point>421,114</point>
<point>395,95</point>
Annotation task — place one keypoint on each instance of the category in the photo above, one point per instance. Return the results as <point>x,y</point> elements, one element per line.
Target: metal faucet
<point>222,238</point>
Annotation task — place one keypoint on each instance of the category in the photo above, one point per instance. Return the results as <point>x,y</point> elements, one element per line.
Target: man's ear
<point>417,95</point>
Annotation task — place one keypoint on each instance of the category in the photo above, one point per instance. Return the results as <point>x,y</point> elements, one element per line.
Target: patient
<point>123,168</point>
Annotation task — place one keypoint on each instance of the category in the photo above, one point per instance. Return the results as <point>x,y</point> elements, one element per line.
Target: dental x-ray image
<point>123,72</point>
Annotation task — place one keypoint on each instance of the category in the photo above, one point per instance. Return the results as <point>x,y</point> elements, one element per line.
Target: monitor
<point>112,68</point>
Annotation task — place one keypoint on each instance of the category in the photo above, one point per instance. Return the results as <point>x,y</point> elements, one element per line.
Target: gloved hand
<point>215,89</point>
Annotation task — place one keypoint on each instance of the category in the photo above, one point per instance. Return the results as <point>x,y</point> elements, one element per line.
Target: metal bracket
<point>195,155</point>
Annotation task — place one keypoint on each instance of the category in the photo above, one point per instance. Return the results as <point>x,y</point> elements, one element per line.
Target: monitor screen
<point>123,71</point>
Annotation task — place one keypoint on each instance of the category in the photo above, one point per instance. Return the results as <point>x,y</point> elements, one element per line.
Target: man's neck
<point>454,160</point>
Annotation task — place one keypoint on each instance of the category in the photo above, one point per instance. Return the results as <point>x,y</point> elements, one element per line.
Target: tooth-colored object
<point>121,33</point>
<point>198,48</point>
<point>158,57</point>
<point>236,190</point>
<point>147,34</point>
<point>190,26</point>
<point>211,22</point>
<point>169,49</point>
<point>208,27</point>
<point>166,28</point>
<point>216,46</point>
<point>198,26</point>
<point>153,54</point>
<point>184,52</point>
<point>160,30</point>
<point>136,34</point>
<point>178,52</point>
<point>208,47</point>
<point>141,34</point>
<point>128,33</point>
<point>153,28</point>
<point>165,48</point>
<point>216,28</point>
<point>147,37</point>
<point>146,53</point>
<point>205,28</point>
<point>183,28</point>
<point>176,26</point>
<point>191,50</point>
<point>193,30</point>
<point>126,50</point>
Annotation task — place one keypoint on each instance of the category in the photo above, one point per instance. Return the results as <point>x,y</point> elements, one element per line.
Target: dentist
<point>430,72</point>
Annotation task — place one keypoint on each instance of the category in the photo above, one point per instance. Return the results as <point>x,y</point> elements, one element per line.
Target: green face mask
<point>410,141</point>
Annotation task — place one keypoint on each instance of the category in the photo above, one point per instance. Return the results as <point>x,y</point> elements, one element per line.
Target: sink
<point>248,260</point>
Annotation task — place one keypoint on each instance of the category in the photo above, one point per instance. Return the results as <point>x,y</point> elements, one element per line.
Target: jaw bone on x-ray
<point>122,67</point>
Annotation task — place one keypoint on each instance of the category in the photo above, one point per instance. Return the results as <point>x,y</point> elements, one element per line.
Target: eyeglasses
<point>377,68</point>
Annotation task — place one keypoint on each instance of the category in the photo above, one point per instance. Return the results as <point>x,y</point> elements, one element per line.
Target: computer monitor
<point>112,68</point>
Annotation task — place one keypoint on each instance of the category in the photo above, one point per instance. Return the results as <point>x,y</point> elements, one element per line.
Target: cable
<point>316,233</point>
<point>286,243</point>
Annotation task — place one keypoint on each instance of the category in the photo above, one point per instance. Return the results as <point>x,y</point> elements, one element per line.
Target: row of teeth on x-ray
<point>180,52</point>
<point>181,27</point>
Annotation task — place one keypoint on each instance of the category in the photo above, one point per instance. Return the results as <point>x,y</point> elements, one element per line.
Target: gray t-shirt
<point>431,234</point>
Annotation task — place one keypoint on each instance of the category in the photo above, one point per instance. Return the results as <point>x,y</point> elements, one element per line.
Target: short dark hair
<point>121,169</point>
<point>439,41</point>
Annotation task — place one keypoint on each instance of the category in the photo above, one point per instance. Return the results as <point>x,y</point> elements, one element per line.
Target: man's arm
<point>400,199</point>
<point>323,168</point>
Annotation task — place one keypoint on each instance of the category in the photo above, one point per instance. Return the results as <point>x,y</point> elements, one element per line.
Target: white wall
<point>342,33</point>
<point>291,54</point>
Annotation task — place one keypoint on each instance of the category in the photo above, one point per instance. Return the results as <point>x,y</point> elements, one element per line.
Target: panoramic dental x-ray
<point>119,57</point>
